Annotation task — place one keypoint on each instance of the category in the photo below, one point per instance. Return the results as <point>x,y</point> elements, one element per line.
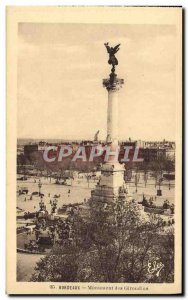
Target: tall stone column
<point>112,85</point>
<point>112,171</point>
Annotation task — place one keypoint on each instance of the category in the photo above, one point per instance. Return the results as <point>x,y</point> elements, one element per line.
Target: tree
<point>169,166</point>
<point>126,246</point>
<point>56,267</point>
<point>137,178</point>
<point>157,168</point>
<point>114,245</point>
<point>145,167</point>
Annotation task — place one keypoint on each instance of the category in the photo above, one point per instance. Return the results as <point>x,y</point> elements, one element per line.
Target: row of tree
<point>155,168</point>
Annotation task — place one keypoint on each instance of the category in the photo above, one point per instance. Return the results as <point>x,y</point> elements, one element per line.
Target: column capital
<point>113,83</point>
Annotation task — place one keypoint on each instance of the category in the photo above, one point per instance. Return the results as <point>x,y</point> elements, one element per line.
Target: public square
<point>81,189</point>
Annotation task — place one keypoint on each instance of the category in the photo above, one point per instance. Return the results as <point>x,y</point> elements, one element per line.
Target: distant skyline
<point>60,73</point>
<point>28,140</point>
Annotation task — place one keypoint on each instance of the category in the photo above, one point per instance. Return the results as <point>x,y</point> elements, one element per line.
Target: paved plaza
<point>81,189</point>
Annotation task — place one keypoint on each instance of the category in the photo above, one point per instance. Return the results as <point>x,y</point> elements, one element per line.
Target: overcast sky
<point>60,72</point>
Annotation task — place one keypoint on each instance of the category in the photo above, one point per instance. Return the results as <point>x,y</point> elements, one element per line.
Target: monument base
<point>110,188</point>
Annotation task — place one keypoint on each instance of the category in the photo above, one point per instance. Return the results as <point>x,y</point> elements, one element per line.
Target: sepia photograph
<point>94,150</point>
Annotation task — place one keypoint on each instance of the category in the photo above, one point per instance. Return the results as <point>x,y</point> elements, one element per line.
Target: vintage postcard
<point>94,150</point>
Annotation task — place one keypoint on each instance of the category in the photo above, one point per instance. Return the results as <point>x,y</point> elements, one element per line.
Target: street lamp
<point>136,181</point>
<point>39,185</point>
